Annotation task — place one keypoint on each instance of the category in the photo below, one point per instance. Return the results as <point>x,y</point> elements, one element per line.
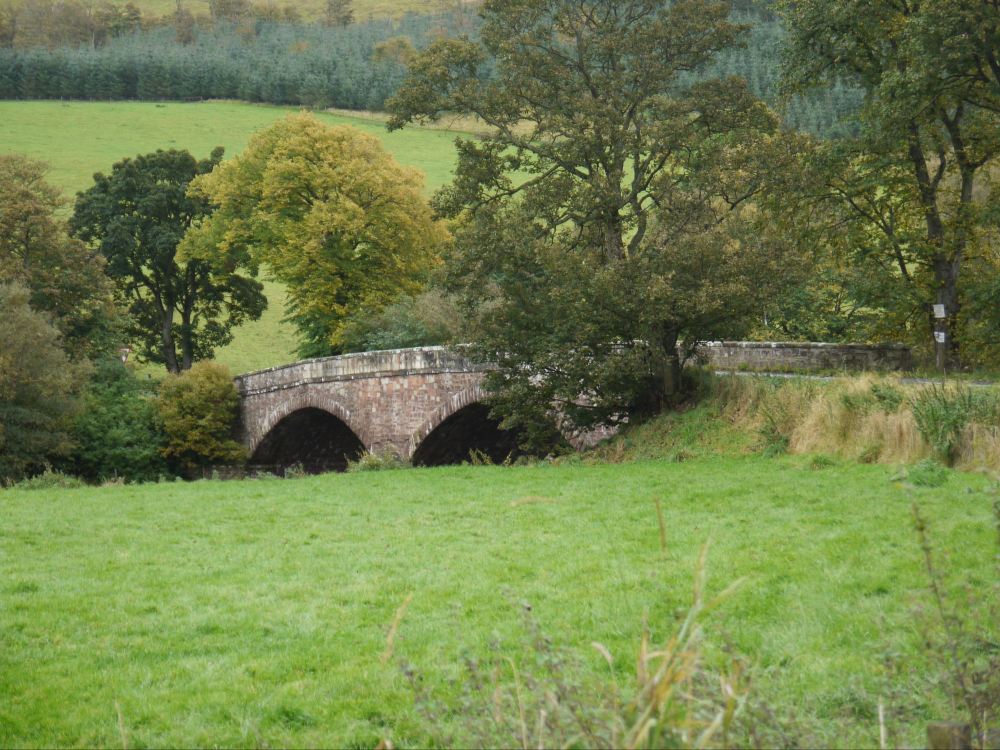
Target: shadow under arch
<point>468,429</point>
<point>312,437</point>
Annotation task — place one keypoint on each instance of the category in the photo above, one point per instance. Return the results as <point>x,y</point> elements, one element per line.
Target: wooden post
<point>949,735</point>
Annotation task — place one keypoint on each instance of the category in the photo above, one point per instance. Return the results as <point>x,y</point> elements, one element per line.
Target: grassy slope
<point>254,612</point>
<point>80,138</point>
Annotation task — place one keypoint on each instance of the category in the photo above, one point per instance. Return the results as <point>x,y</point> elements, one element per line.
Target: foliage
<point>68,23</point>
<point>339,13</point>
<point>39,387</point>
<point>912,191</point>
<point>942,415</point>
<point>136,216</point>
<point>117,434</point>
<point>282,63</point>
<point>198,410</point>
<point>66,279</point>
<point>429,318</point>
<point>331,214</point>
<point>607,216</point>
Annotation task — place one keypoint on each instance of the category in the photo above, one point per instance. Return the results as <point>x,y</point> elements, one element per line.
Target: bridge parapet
<point>389,363</point>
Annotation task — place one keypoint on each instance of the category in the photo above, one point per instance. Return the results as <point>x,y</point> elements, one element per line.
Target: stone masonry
<point>390,400</point>
<point>780,356</point>
<point>393,400</point>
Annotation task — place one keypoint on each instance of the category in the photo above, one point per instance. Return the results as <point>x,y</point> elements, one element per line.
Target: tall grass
<point>870,419</point>
<point>678,697</point>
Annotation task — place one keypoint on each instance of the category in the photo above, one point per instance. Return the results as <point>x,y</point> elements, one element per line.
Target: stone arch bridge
<point>423,404</point>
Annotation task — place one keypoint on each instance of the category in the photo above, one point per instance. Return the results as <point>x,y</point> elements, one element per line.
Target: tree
<point>430,318</point>
<point>339,13</point>
<point>39,387</point>
<point>116,433</point>
<point>916,183</point>
<point>607,154</point>
<point>136,216</point>
<point>65,278</point>
<point>330,213</point>
<point>199,410</point>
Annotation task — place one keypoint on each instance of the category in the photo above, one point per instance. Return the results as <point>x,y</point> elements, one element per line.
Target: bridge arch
<point>310,429</point>
<point>459,426</point>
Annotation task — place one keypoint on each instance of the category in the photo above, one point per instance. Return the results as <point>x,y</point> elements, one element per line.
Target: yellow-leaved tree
<point>331,214</point>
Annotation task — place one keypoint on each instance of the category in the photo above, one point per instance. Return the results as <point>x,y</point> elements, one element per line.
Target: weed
<point>295,471</point>
<point>962,639</point>
<point>942,415</point>
<point>676,699</point>
<point>927,473</point>
<point>50,480</point>
<point>821,461</point>
<point>377,462</point>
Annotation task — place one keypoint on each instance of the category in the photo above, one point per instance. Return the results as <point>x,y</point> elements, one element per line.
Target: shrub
<point>117,434</point>
<point>198,410</point>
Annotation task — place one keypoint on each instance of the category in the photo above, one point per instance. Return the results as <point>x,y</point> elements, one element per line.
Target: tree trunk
<point>169,347</point>
<point>946,354</point>
<point>669,371</point>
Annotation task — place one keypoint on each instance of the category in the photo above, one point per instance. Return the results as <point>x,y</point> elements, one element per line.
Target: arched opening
<point>469,430</point>
<point>312,438</point>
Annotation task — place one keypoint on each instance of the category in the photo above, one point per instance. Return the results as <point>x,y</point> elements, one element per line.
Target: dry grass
<point>868,418</point>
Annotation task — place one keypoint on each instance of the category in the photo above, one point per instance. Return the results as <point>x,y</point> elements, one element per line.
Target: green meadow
<point>254,613</point>
<point>78,139</point>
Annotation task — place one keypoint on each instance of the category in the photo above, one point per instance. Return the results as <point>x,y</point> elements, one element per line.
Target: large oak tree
<point>331,215</point>
<point>604,217</point>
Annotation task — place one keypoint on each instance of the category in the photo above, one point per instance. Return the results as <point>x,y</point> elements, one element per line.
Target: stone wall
<point>777,356</point>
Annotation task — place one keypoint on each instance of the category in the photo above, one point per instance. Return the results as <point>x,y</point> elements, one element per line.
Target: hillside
<point>319,67</point>
<point>50,131</point>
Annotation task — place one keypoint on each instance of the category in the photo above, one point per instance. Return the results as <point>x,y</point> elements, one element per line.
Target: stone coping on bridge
<point>388,363</point>
<point>776,356</point>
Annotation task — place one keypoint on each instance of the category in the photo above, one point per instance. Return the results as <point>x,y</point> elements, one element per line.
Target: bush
<point>117,434</point>
<point>198,410</point>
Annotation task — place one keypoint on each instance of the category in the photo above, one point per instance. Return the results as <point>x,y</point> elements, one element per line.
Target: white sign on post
<point>940,336</point>
<point>939,311</point>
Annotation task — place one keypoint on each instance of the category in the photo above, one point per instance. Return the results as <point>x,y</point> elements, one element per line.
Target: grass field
<point>254,613</point>
<point>78,139</point>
